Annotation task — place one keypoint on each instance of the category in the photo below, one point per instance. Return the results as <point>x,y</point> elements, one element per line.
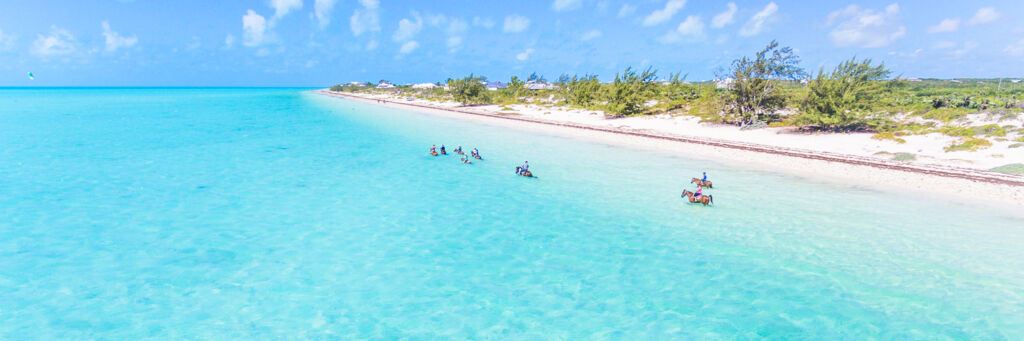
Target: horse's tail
<point>711,198</point>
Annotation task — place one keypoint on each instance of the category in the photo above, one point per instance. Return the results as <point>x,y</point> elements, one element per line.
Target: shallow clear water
<point>278,213</point>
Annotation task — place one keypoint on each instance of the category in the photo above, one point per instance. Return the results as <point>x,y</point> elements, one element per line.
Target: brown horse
<point>703,199</point>
<point>526,173</point>
<point>701,182</point>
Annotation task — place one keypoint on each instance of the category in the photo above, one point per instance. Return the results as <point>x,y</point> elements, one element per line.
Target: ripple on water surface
<point>276,213</point>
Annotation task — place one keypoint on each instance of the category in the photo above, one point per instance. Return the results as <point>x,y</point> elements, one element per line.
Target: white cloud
<point>407,29</point>
<point>365,19</point>
<point>436,20</point>
<point>516,23</point>
<point>371,45</point>
<point>254,28</point>
<point>689,30</point>
<point>967,47</point>
<point>626,10</point>
<point>664,14</point>
<point>59,42</point>
<point>6,41</point>
<point>114,40</point>
<point>322,9</point>
<point>1015,49</point>
<point>195,44</point>
<point>756,24</point>
<point>940,45</point>
<point>283,7</point>
<point>565,5</point>
<point>592,34</point>
<point>984,15</point>
<point>483,22</point>
<point>862,27</point>
<point>946,25</point>
<point>229,41</point>
<point>454,42</point>
<point>409,46</point>
<point>914,54</point>
<point>726,17</point>
<point>523,56</point>
<point>456,28</point>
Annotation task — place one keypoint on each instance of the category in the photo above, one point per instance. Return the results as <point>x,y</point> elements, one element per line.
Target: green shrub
<point>969,144</point>
<point>1017,145</point>
<point>842,99</point>
<point>1013,168</point>
<point>990,130</point>
<point>888,135</point>
<point>947,114</point>
<point>629,92</point>
<point>904,157</point>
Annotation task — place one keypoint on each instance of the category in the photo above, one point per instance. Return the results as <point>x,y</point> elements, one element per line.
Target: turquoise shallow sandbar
<point>280,213</point>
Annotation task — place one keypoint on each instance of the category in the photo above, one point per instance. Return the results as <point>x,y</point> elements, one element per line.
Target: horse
<point>703,199</point>
<point>433,153</point>
<point>705,183</point>
<point>526,173</point>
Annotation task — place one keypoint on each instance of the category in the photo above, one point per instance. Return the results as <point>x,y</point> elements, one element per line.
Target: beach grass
<point>969,144</point>
<point>904,157</point>
<point>1013,168</point>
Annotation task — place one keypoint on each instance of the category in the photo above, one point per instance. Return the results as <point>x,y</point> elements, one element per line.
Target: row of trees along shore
<point>768,88</point>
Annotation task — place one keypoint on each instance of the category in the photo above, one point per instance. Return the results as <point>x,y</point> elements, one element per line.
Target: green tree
<point>630,90</point>
<point>468,90</point>
<point>515,89</point>
<point>336,88</point>
<point>581,91</point>
<point>534,77</point>
<point>843,98</point>
<point>755,88</point>
<point>678,92</point>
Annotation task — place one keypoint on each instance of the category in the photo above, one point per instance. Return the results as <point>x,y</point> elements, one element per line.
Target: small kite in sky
<point>31,76</point>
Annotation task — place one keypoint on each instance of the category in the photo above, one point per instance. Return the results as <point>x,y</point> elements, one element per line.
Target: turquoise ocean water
<point>279,213</point>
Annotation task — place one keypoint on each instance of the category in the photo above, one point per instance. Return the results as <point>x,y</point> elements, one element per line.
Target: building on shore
<point>424,86</point>
<point>723,83</point>
<point>385,85</point>
<point>495,85</point>
<point>536,85</point>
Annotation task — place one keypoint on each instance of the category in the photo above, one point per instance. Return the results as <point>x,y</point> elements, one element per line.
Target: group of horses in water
<point>695,198</point>
<point>475,154</point>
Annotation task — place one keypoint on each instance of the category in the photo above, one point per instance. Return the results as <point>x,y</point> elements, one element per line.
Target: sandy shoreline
<point>964,185</point>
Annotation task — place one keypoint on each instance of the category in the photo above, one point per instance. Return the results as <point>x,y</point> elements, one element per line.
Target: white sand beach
<point>856,159</point>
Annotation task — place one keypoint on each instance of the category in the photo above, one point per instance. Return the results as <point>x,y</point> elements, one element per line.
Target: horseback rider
<point>433,149</point>
<point>698,193</point>
<point>525,167</point>
<point>442,150</point>
<point>705,179</point>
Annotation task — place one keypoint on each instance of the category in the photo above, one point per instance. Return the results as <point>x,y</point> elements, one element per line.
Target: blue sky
<point>321,42</point>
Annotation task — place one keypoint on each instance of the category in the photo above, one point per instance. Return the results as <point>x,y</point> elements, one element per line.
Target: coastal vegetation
<point>755,92</point>
<point>769,89</point>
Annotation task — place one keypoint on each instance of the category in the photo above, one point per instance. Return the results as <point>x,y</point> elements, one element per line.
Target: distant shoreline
<point>884,174</point>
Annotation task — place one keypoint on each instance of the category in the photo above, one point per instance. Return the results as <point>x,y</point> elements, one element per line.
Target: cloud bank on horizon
<point>320,42</point>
